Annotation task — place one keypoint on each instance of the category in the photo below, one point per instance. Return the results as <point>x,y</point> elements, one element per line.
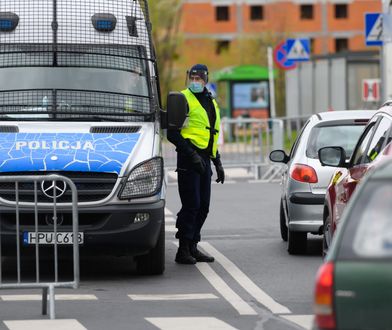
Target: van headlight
<point>144,180</point>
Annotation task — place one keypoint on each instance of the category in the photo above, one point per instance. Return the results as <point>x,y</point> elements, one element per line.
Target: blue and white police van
<point>79,97</point>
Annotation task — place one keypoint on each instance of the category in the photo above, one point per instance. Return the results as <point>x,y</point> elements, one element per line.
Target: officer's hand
<point>220,172</point>
<point>198,163</point>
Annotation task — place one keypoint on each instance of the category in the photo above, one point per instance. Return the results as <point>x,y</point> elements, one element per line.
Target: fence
<point>247,142</point>
<point>26,187</point>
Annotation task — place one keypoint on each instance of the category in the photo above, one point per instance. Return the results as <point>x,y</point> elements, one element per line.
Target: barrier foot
<point>44,301</point>
<point>51,303</point>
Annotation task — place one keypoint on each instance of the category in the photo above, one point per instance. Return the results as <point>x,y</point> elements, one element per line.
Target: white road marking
<point>168,212</point>
<point>305,321</point>
<point>68,324</point>
<point>189,323</point>
<point>35,297</point>
<point>243,280</point>
<point>170,220</point>
<point>170,228</point>
<point>226,182</point>
<point>242,307</point>
<point>154,297</point>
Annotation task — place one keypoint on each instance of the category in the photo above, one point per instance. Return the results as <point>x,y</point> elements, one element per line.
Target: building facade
<point>332,25</point>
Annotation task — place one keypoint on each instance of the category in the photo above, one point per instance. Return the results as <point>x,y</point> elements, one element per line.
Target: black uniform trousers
<point>195,194</point>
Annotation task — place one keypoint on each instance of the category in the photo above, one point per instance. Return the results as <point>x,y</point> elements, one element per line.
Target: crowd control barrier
<point>27,234</point>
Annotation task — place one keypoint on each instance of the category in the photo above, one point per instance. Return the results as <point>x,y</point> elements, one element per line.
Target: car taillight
<point>304,173</point>
<point>323,297</point>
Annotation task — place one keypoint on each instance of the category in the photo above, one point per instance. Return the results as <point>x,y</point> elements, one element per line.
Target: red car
<point>372,147</point>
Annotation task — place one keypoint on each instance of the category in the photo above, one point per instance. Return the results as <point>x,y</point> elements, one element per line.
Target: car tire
<point>296,242</point>
<point>153,263</point>
<point>283,226</point>
<point>327,235</point>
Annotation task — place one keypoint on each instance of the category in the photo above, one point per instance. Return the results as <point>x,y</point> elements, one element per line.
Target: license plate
<point>48,238</point>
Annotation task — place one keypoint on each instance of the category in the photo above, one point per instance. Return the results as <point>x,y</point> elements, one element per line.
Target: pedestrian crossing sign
<point>298,49</point>
<point>373,29</point>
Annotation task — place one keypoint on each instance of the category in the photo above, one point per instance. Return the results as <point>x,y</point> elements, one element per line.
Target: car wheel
<point>296,242</point>
<point>327,237</point>
<point>283,226</point>
<point>153,263</point>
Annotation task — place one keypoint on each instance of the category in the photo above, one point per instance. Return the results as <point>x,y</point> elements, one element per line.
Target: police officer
<point>196,146</point>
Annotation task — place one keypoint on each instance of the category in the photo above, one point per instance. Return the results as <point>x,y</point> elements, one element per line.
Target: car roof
<point>344,115</point>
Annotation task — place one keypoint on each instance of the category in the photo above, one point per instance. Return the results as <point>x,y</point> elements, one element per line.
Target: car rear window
<point>345,136</point>
<point>368,229</point>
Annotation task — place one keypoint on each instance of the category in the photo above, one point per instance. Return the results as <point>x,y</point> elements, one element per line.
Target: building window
<point>222,13</point>
<point>222,46</point>
<point>341,45</point>
<point>311,45</point>
<point>306,11</point>
<point>256,13</point>
<point>341,11</point>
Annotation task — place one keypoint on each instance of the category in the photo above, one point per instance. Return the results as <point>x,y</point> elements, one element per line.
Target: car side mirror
<point>177,110</point>
<point>279,156</point>
<point>332,156</point>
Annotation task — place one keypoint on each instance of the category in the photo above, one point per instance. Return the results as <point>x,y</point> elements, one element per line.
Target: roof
<point>241,72</point>
<point>345,114</point>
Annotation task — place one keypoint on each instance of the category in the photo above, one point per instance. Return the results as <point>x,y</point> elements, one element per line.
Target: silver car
<point>304,180</point>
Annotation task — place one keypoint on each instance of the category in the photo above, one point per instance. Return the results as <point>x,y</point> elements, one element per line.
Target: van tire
<point>153,263</point>
<point>297,241</point>
<point>283,226</point>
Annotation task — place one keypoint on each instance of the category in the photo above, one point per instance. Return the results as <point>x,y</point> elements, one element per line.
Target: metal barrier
<point>247,142</point>
<point>33,237</point>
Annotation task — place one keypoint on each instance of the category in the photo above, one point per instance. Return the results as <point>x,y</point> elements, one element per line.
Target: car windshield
<point>368,233</point>
<point>344,136</point>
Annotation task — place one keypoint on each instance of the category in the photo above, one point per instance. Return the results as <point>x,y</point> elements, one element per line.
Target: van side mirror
<point>332,156</point>
<point>177,110</point>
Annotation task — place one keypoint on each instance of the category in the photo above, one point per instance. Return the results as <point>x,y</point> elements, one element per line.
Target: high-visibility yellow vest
<point>197,129</point>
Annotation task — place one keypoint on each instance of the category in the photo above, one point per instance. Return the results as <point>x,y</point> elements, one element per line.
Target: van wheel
<point>327,237</point>
<point>296,242</point>
<point>283,226</point>
<point>153,263</point>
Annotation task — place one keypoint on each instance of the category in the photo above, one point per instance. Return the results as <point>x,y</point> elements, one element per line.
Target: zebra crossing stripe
<point>158,297</point>
<point>66,324</point>
<point>189,323</point>
<point>38,297</point>
<point>305,321</point>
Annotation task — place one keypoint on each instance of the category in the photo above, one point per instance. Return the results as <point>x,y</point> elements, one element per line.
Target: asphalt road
<point>254,283</point>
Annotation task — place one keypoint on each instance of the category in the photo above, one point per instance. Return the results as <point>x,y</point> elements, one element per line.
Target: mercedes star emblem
<point>53,189</point>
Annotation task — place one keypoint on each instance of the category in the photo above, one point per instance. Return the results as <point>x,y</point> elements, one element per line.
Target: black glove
<point>198,163</point>
<point>220,172</point>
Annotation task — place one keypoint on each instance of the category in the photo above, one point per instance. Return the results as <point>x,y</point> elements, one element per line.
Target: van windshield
<point>82,86</point>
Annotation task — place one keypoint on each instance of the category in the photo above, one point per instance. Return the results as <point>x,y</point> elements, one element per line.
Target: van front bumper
<point>131,229</point>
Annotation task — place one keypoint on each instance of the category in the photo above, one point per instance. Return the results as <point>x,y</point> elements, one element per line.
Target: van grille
<point>90,186</point>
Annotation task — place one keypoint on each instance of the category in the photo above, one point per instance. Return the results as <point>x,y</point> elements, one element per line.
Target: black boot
<point>183,255</point>
<point>199,256</point>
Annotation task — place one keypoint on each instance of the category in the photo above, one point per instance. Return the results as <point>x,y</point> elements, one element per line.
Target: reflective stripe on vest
<point>197,129</point>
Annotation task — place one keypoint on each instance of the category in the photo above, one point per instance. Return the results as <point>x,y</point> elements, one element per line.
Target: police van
<point>79,97</point>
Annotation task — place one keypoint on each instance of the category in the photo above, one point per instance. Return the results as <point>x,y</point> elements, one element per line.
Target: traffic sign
<point>373,29</point>
<point>280,57</point>
<point>371,90</point>
<point>298,49</point>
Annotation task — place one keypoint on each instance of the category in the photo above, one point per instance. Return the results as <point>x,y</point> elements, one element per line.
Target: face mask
<point>196,87</point>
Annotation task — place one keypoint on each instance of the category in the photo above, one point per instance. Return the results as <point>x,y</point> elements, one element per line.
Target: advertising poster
<point>250,95</point>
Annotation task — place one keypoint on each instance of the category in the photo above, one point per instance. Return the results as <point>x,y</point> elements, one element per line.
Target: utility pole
<point>324,26</point>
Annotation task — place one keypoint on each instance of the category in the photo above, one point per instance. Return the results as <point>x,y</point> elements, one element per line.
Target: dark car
<point>353,286</point>
<point>373,145</point>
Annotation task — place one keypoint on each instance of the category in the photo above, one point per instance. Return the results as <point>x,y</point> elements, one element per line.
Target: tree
<point>165,18</point>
